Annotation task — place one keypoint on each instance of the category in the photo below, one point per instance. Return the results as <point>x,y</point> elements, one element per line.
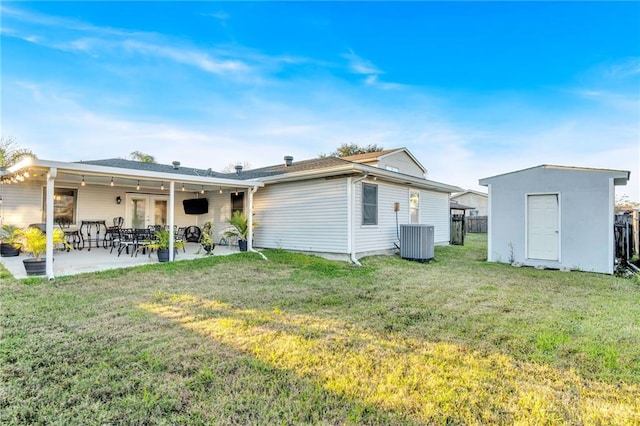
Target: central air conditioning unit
<point>416,242</point>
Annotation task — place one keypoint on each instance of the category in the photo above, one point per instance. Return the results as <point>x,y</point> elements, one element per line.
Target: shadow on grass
<point>424,381</point>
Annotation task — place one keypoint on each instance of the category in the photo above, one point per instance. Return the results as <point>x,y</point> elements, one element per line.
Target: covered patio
<point>99,259</point>
<point>105,189</point>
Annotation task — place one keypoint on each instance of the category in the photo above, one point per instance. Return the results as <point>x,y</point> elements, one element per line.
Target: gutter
<point>250,220</point>
<point>352,200</point>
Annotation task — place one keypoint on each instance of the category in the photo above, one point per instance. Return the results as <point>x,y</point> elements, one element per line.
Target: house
<point>478,201</point>
<point>330,206</point>
<point>554,217</point>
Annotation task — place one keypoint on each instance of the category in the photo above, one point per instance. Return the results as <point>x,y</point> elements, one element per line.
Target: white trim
<point>350,209</point>
<point>611,237</point>
<point>490,226</point>
<point>170,212</point>
<point>51,179</point>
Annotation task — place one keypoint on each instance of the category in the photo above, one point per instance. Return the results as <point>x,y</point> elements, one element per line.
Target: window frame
<point>58,192</point>
<point>368,206</point>
<point>234,199</point>
<point>414,210</point>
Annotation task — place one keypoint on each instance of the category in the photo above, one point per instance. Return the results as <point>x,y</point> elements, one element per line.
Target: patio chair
<point>179,237</point>
<point>126,238</point>
<point>143,238</point>
<point>112,232</point>
<point>71,234</point>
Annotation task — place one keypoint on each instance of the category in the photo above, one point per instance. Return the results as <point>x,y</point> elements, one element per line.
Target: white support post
<point>250,219</point>
<point>172,196</point>
<point>51,177</point>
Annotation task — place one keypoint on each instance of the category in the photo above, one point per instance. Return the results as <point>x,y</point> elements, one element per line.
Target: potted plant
<point>9,245</point>
<point>161,245</point>
<point>206,237</point>
<point>240,228</point>
<point>34,242</point>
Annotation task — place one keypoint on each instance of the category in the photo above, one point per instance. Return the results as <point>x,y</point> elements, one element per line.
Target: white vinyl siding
<point>21,203</point>
<point>303,216</point>
<point>434,210</point>
<point>401,162</point>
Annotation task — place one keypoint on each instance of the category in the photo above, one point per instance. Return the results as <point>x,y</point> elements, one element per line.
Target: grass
<point>302,340</point>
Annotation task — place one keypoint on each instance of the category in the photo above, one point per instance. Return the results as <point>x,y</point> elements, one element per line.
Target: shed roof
<point>620,176</point>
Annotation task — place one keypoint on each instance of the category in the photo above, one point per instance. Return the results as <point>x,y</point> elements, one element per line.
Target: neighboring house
<point>554,217</point>
<point>478,201</point>
<point>329,206</point>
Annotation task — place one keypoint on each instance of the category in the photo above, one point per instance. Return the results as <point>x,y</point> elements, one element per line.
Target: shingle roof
<point>370,155</point>
<point>281,169</point>
<point>152,167</point>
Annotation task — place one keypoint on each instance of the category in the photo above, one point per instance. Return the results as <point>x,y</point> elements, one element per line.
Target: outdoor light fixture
<point>83,182</point>
<point>111,183</point>
<point>202,190</point>
<point>26,174</point>
<point>220,190</point>
<point>118,199</point>
<point>138,186</point>
<point>162,186</point>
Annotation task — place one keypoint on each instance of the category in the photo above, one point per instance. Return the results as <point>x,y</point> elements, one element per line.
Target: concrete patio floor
<point>99,259</point>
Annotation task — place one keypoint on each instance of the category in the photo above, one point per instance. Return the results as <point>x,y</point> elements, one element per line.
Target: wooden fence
<point>476,224</point>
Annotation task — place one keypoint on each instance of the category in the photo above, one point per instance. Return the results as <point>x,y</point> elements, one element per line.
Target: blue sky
<point>472,89</point>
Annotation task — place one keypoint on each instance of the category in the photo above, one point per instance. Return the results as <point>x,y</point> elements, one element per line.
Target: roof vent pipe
<point>288,160</point>
<point>238,169</point>
<point>176,164</point>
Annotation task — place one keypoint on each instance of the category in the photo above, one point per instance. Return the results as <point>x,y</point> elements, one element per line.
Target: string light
<point>111,184</point>
<point>202,190</point>
<point>220,190</point>
<point>83,183</point>
<point>138,186</point>
<point>183,186</point>
<point>162,186</point>
<point>26,173</point>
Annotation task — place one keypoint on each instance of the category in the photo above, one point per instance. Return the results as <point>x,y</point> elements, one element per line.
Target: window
<point>414,206</point>
<point>237,202</point>
<point>369,204</point>
<point>473,213</point>
<point>64,204</point>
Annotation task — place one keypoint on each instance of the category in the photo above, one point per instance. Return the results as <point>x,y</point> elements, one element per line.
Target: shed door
<point>542,227</point>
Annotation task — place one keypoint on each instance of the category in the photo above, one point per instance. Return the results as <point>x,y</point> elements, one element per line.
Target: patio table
<point>92,230</point>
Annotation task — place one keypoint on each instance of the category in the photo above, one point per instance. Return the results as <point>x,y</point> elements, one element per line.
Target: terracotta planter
<point>35,266</point>
<point>8,250</point>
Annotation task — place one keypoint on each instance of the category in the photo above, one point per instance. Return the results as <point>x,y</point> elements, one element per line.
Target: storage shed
<point>554,216</point>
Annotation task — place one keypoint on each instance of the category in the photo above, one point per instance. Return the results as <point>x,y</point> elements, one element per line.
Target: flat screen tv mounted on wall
<point>196,206</point>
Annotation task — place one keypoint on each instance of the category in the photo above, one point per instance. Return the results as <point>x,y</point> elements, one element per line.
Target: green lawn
<point>301,340</point>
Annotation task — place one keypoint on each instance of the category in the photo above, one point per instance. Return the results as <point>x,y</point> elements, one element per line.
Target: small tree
<point>11,153</point>
<point>347,149</point>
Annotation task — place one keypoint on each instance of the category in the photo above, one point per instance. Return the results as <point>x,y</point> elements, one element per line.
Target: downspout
<point>172,197</point>
<point>51,177</point>
<point>250,223</point>
<point>352,201</point>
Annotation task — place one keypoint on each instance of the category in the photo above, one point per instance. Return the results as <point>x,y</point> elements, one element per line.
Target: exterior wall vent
<point>416,242</point>
<point>288,161</point>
